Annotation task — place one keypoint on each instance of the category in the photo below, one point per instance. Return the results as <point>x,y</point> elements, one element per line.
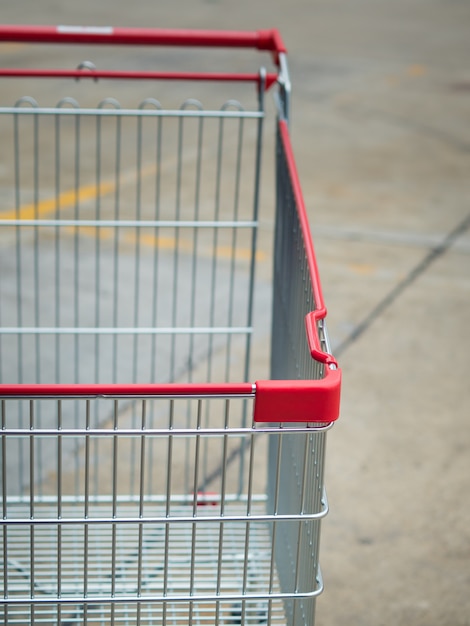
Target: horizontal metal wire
<point>147,613</point>
<point>130,223</point>
<point>117,112</point>
<point>200,598</point>
<point>202,498</point>
<point>164,519</point>
<point>97,330</point>
<point>155,432</point>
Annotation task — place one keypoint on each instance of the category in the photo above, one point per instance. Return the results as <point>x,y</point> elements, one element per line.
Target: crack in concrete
<point>418,270</point>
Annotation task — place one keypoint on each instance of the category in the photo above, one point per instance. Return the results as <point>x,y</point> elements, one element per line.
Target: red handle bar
<point>267,40</point>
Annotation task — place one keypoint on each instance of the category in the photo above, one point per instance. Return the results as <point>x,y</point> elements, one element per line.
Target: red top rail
<point>265,40</point>
<point>275,400</point>
<point>319,312</point>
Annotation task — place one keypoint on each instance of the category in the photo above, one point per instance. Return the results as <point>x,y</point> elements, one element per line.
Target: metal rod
<point>98,158</point>
<point>39,111</point>
<point>59,499</point>
<point>117,197</point>
<point>197,192</point>
<point>4,508</point>
<point>57,265</point>
<point>19,316</point>
<point>99,223</point>
<point>114,510</point>
<point>31,507</point>
<point>86,507</point>
<point>236,200</point>
<point>36,244</point>
<point>179,598</point>
<point>97,330</point>
<point>158,432</point>
<point>158,160</point>
<point>141,506</point>
<point>172,519</point>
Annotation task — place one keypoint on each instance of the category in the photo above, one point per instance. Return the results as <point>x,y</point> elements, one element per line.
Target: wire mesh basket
<point>144,480</point>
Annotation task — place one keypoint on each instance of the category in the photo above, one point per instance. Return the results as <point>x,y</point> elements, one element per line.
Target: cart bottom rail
<point>143,573</point>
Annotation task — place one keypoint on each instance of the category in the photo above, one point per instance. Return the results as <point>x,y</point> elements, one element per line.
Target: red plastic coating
<point>320,310</point>
<point>275,400</point>
<point>270,78</point>
<point>133,390</point>
<point>303,401</point>
<point>311,320</point>
<point>268,40</point>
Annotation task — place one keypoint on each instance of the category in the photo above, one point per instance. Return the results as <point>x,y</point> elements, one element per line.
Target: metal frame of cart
<point>144,479</point>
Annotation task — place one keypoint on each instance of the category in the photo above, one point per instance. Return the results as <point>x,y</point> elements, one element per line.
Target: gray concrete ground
<point>380,124</point>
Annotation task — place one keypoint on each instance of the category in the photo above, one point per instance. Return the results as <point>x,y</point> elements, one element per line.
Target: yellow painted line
<point>167,243</point>
<point>11,46</point>
<point>64,200</point>
<point>416,70</point>
<point>162,243</point>
<point>90,231</point>
<point>363,269</point>
<point>186,245</point>
<point>71,197</point>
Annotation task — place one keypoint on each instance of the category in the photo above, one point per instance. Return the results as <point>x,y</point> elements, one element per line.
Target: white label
<point>85,30</point>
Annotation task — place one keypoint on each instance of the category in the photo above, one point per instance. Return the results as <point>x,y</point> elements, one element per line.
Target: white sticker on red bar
<point>85,30</point>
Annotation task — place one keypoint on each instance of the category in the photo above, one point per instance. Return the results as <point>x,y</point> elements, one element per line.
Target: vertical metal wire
<point>32,550</point>
<point>274,469</point>
<point>158,160</point>
<point>174,304</point>
<point>169,466</point>
<point>301,548</point>
<point>4,513</point>
<point>215,236</point>
<point>115,296</point>
<point>141,507</point>
<point>19,310</point>
<point>18,243</point>
<point>86,511</point>
<point>76,291</point>
<point>320,441</point>
<point>138,207</point>
<point>76,249</point>
<point>19,316</point>
<point>114,511</point>
<point>59,507</point>
<point>117,208</point>
<point>194,512</point>
<point>222,510</point>
<point>194,274</point>
<point>246,556</point>
<point>169,459</point>
<point>236,199</point>
<point>137,252</point>
<point>57,309</point>
<point>97,239</point>
<point>254,235</point>
<point>197,192</point>
<point>36,243</point>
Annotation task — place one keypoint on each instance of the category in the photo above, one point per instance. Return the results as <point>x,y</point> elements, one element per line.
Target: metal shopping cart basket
<point>144,480</point>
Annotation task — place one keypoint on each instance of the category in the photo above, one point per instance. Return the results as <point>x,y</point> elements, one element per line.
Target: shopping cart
<point>140,483</point>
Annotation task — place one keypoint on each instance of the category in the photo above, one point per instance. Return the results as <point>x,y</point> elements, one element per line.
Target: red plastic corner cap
<point>302,401</point>
<point>271,40</point>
